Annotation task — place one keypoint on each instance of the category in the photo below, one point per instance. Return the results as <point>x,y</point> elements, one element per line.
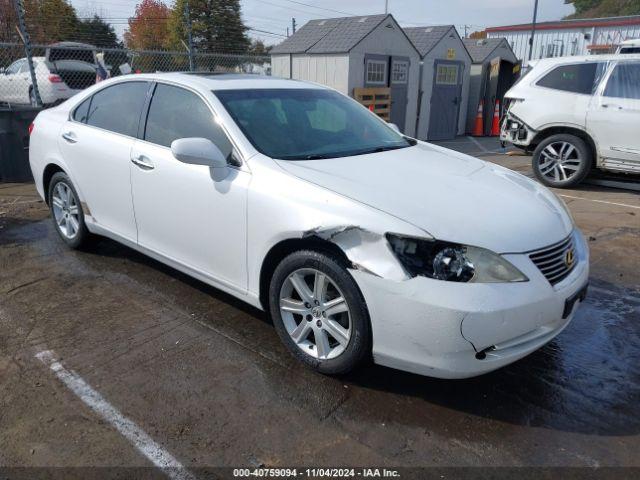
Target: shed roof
<point>329,35</point>
<point>481,49</point>
<point>426,38</point>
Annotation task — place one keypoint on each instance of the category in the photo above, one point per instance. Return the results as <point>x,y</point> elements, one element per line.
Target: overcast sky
<point>275,15</point>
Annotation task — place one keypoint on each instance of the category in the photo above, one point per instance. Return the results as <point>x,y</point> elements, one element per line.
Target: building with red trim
<point>569,37</point>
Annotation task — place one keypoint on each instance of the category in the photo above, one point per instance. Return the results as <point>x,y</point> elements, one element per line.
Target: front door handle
<point>143,162</point>
<point>70,137</point>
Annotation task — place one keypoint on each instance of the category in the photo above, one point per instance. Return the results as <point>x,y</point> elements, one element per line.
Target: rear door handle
<point>70,137</point>
<point>143,162</point>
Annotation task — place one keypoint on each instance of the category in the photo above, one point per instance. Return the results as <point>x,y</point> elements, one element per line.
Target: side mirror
<point>395,127</point>
<point>198,151</point>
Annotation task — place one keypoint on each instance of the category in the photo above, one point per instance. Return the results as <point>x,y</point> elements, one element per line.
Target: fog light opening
<point>482,354</point>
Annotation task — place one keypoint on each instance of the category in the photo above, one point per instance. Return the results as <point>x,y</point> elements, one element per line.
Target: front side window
<point>624,81</point>
<point>377,72</point>
<point>306,124</point>
<point>14,67</point>
<point>576,78</point>
<point>178,113</point>
<point>118,108</point>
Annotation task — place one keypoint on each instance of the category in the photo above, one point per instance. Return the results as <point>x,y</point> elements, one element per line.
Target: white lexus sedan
<point>359,242</point>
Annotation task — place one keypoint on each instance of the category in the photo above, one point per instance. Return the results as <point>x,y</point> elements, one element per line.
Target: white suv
<point>576,113</point>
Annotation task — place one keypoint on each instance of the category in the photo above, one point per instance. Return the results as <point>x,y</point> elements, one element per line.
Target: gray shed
<point>351,52</point>
<point>444,82</point>
<point>495,69</point>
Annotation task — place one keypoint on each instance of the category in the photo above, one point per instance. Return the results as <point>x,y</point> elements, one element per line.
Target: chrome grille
<point>553,261</point>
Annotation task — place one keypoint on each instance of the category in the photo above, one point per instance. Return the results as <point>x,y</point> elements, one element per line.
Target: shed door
<point>445,100</point>
<point>399,82</point>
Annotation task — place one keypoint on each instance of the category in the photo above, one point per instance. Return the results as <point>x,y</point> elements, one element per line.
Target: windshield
<point>307,124</point>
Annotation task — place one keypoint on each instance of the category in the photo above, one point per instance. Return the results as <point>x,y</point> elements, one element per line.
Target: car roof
<point>227,81</point>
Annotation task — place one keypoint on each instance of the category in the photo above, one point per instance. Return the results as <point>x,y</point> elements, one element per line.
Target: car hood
<point>451,196</point>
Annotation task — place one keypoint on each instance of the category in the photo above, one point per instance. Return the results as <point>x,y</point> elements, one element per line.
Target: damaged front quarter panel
<point>368,251</point>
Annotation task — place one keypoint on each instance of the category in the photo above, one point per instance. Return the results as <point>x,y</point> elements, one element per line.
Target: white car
<point>576,113</point>
<point>296,199</point>
<point>629,46</point>
<point>65,70</point>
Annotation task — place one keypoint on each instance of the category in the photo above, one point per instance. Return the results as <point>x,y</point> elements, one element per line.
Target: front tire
<point>66,211</point>
<point>319,312</point>
<point>562,161</point>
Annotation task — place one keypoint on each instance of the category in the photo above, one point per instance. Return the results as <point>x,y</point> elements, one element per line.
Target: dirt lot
<point>208,381</point>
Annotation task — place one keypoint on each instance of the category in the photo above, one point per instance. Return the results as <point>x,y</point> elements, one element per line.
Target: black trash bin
<point>14,143</point>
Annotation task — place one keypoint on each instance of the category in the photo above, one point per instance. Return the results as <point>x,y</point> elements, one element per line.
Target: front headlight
<point>452,262</point>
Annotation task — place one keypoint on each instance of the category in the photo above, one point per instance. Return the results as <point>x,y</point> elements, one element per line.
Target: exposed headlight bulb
<point>452,264</point>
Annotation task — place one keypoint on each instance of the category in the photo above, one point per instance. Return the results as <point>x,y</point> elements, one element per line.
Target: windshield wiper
<point>315,156</point>
<point>381,148</point>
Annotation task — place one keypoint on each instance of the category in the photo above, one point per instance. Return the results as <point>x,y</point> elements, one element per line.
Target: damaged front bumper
<point>460,330</point>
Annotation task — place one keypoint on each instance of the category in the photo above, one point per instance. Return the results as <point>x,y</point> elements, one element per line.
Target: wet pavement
<point>206,377</point>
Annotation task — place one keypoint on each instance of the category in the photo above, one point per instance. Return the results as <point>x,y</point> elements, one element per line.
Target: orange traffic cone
<point>495,127</point>
<point>478,128</point>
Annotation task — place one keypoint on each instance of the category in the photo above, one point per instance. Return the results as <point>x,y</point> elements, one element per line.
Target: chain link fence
<point>63,69</point>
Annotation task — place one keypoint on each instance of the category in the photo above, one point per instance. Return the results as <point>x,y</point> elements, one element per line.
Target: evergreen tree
<point>216,26</point>
<point>95,31</point>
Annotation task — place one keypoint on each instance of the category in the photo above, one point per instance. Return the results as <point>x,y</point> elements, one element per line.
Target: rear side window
<point>577,78</point>
<point>118,108</point>
<point>81,111</point>
<point>178,113</point>
<point>624,81</point>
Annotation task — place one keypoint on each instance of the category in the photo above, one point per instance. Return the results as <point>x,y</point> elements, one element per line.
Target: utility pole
<point>187,22</point>
<point>287,32</point>
<point>386,6</point>
<point>533,29</point>
<point>465,30</point>
<point>293,26</point>
<point>24,34</point>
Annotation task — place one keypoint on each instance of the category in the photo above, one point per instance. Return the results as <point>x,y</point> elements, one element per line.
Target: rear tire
<point>562,161</point>
<point>326,326</point>
<point>66,211</point>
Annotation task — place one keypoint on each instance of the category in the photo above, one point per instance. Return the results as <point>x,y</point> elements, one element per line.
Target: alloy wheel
<point>65,210</point>
<point>315,313</point>
<point>559,161</point>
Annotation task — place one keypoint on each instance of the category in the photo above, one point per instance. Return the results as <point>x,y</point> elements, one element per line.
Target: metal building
<point>444,82</point>
<point>495,69</point>
<point>354,52</point>
<point>569,37</point>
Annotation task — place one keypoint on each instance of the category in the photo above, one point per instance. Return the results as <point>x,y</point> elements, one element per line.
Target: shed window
<point>377,72</point>
<point>447,75</point>
<point>399,72</point>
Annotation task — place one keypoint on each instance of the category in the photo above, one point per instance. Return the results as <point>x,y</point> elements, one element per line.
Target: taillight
<point>31,125</point>
<point>53,78</point>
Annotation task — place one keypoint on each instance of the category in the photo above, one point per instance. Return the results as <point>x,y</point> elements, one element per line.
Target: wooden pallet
<point>377,99</point>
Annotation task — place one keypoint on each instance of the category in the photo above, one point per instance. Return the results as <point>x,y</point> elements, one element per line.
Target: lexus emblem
<point>569,258</point>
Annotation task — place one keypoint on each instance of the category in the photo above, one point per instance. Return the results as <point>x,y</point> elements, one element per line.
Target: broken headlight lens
<point>452,262</point>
